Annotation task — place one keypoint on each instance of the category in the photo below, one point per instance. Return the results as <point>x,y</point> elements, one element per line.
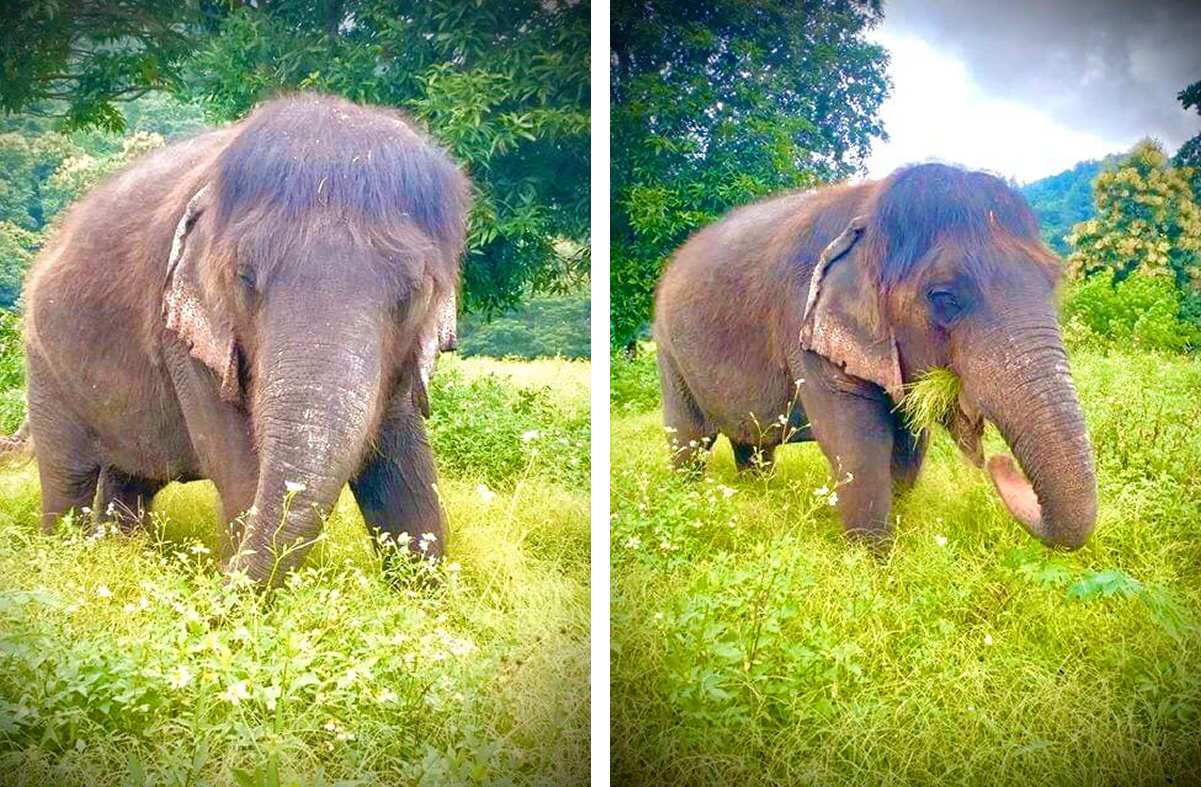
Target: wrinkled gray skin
<point>792,308</point>
<point>157,354</point>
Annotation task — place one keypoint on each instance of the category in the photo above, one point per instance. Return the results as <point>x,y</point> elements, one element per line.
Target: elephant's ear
<point>843,321</point>
<point>441,334</point>
<point>208,336</point>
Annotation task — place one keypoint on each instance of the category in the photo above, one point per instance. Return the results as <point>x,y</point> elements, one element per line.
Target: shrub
<point>1140,311</point>
<point>488,430</point>
<point>633,381</point>
<point>12,373</point>
<point>18,246</point>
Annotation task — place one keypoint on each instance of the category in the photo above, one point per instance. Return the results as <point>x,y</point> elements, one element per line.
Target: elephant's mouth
<point>966,425</point>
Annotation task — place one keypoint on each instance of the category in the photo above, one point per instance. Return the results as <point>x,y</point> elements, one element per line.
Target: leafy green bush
<point>12,373</point>
<point>18,247</point>
<point>633,381</point>
<point>486,429</point>
<point>1139,311</point>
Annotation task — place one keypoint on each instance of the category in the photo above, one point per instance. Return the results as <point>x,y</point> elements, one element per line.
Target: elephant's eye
<point>945,305</point>
<point>246,277</point>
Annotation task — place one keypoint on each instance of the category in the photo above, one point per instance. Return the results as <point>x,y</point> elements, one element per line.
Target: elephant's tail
<point>17,447</point>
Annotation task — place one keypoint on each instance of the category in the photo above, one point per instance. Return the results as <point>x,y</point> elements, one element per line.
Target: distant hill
<point>1064,200</point>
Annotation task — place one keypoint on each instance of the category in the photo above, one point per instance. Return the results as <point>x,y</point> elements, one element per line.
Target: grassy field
<point>113,673</point>
<point>752,645</point>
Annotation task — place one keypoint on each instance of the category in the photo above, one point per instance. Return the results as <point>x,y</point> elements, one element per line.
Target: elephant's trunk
<point>1018,377</point>
<point>315,402</point>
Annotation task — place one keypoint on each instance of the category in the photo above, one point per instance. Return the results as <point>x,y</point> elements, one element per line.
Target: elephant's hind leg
<point>688,433</point>
<point>125,498</point>
<point>68,466</point>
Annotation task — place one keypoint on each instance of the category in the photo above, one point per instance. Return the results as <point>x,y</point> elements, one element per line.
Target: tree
<point>504,85</point>
<point>1147,221</point>
<point>88,54</point>
<point>27,161</point>
<point>18,246</point>
<point>717,103</point>
<point>1189,153</point>
<point>77,174</point>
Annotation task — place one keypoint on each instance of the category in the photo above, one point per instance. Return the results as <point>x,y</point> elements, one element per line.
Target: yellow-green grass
<point>124,659</point>
<point>930,399</point>
<point>753,645</point>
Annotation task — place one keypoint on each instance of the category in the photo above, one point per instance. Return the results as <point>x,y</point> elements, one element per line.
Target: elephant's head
<point>314,272</point>
<point>943,267</point>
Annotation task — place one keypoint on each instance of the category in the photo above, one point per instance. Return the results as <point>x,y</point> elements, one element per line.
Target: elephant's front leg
<point>852,422</point>
<point>396,489</point>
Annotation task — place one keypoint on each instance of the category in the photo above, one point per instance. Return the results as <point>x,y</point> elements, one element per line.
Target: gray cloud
<point>1110,67</point>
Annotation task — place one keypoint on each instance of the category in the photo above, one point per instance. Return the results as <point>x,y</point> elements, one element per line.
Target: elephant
<point>260,305</point>
<point>804,316</point>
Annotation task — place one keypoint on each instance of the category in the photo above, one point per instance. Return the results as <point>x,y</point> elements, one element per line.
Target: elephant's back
<point>718,310</point>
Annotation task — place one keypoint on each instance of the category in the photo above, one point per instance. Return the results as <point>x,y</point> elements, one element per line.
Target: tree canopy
<point>1148,223</point>
<point>76,59</point>
<point>1189,153</point>
<point>715,104</point>
<point>504,85</point>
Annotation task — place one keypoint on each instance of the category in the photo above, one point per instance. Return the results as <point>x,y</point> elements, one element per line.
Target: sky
<point>1027,88</point>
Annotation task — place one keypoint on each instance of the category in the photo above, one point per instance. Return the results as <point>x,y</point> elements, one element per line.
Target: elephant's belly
<point>770,418</point>
<point>138,429</point>
<point>156,453</point>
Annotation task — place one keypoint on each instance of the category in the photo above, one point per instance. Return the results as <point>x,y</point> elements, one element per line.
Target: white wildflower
<point>271,696</point>
<point>532,434</point>
<point>941,540</point>
<point>294,487</point>
<point>102,591</point>
<point>486,494</point>
<point>179,677</point>
<point>235,693</point>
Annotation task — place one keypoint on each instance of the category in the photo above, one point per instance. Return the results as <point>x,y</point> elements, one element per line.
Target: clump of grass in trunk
<point>931,398</point>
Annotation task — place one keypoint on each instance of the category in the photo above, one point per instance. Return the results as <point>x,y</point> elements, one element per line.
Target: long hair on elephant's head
<point>312,167</point>
<point>922,205</point>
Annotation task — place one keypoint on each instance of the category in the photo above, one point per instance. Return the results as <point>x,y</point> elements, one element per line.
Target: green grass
<point>114,669</point>
<point>752,645</point>
<point>931,398</point>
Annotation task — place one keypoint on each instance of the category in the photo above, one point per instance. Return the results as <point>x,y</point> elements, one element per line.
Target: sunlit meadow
<point>752,645</point>
<point>125,660</point>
